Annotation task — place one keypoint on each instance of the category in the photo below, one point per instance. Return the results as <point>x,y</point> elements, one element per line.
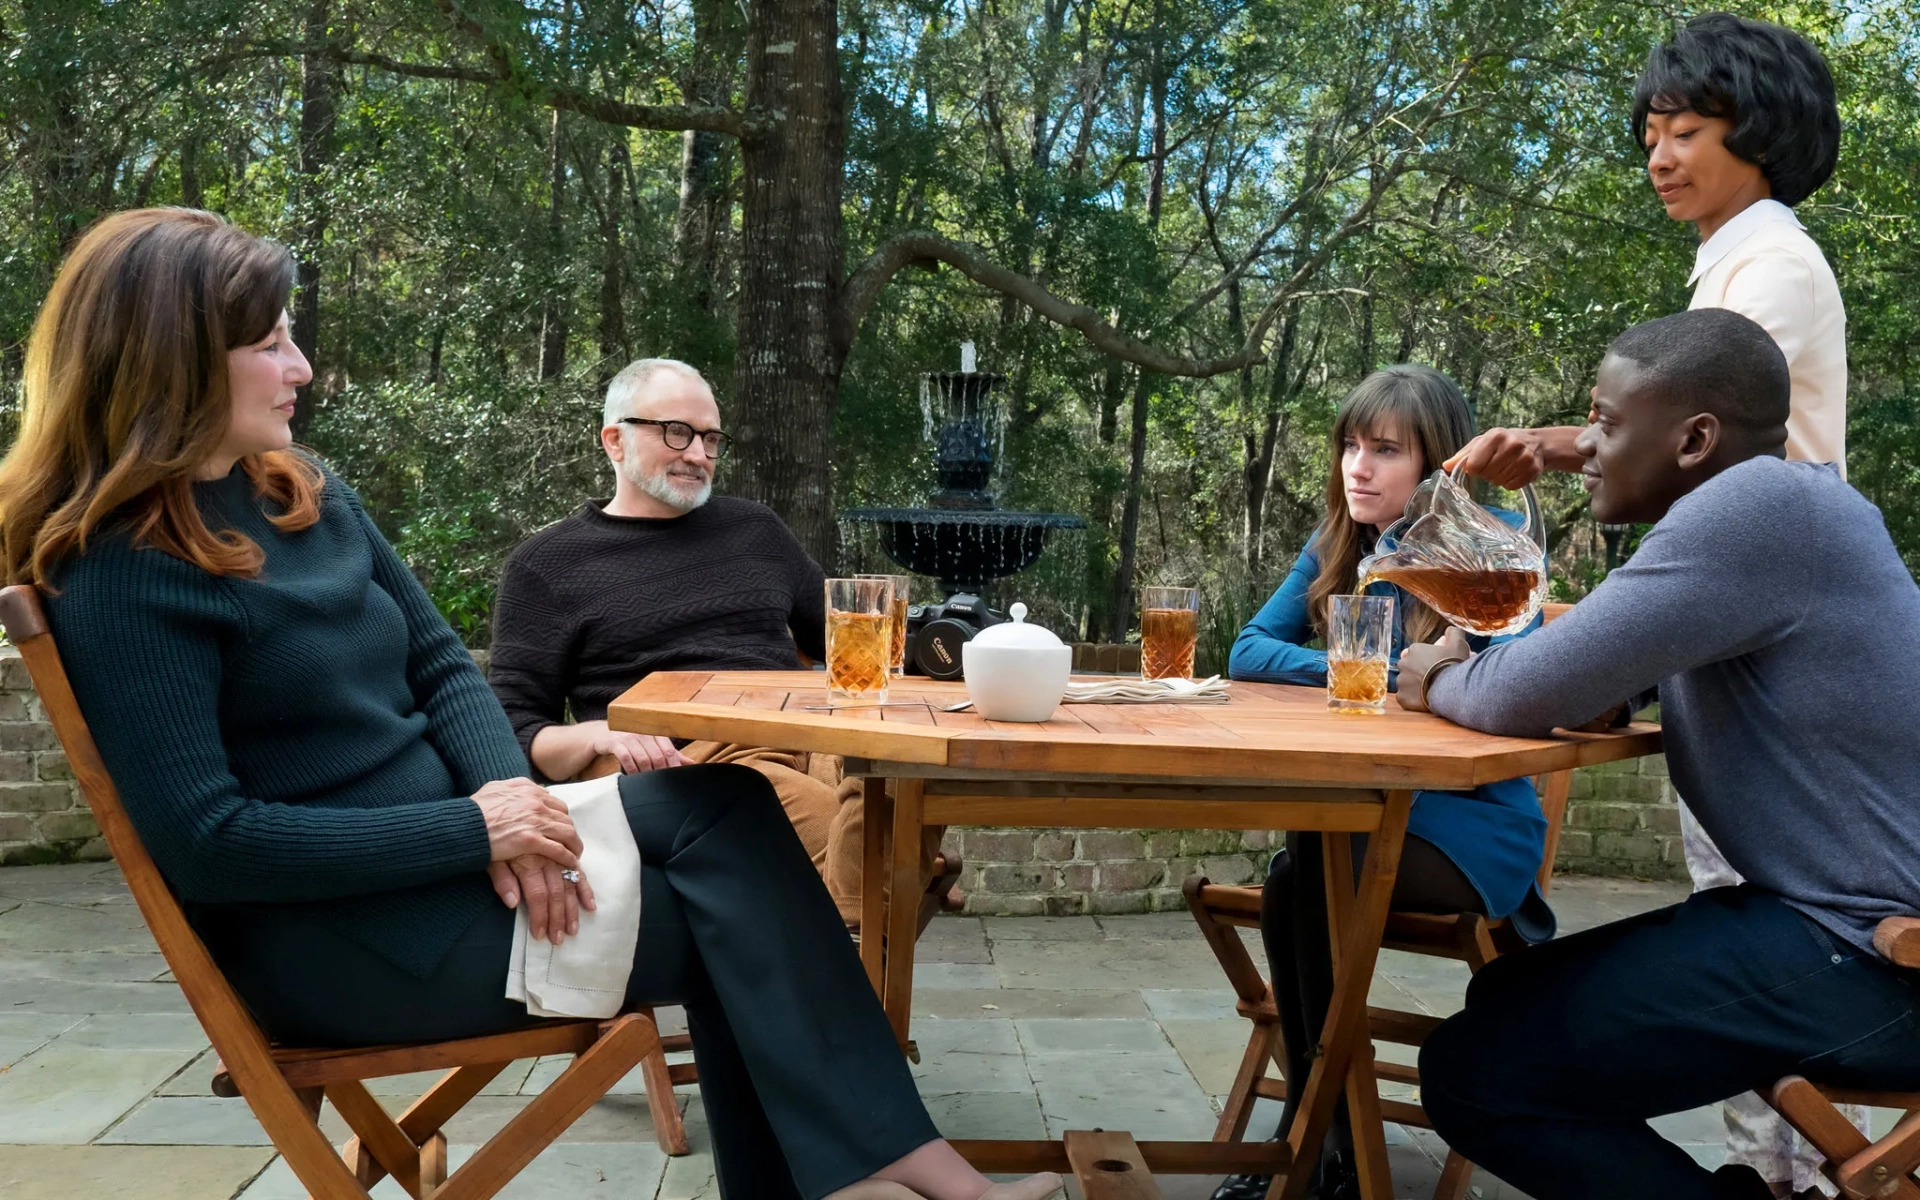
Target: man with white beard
<point>665,576</point>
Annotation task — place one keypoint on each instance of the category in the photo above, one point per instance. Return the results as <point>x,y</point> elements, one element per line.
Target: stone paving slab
<point>21,1033</point>
<point>69,1097</point>
<point>83,966</point>
<point>1027,1026</point>
<point>615,1171</point>
<point>128,1172</point>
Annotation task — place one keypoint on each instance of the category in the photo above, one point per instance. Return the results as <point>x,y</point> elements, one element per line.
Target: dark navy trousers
<point>804,1087</point>
<point>1564,1051</point>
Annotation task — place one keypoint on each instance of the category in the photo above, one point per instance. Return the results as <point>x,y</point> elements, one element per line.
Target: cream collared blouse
<point>1762,265</point>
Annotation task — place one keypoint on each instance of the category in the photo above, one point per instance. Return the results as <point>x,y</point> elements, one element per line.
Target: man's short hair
<point>1712,360</point>
<point>633,379</point>
<point>1767,80</point>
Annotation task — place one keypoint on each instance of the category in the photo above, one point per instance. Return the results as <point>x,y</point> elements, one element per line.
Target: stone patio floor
<point>1027,1027</point>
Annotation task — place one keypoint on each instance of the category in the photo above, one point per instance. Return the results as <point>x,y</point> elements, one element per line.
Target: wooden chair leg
<point>378,1136</point>
<point>310,1098</point>
<point>1888,1164</point>
<point>433,1165</point>
<point>1263,1047</point>
<point>424,1117</point>
<point>664,1109</point>
<point>422,1120</point>
<point>1455,1177</point>
<point>1810,1112</point>
<point>626,1043</point>
<point>1817,1120</point>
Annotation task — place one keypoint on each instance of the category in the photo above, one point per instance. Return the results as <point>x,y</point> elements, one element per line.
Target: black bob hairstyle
<point>1768,81</point>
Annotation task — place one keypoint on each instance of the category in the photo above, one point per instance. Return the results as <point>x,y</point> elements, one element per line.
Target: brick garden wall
<point>42,818</point>
<point>1621,820</point>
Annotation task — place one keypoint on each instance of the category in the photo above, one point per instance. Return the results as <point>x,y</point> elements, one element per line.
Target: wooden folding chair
<point>1467,937</point>
<point>1863,1170</point>
<point>284,1086</point>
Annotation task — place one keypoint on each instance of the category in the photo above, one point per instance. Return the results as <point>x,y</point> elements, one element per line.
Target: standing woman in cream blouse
<point>1740,124</point>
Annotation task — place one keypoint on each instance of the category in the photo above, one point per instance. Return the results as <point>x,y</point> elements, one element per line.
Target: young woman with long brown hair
<point>1475,851</point>
<point>327,782</point>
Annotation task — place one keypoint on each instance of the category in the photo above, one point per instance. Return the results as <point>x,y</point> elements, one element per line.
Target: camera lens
<point>936,648</point>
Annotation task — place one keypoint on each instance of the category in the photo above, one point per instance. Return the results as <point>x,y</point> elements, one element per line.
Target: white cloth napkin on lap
<point>1211,690</point>
<point>586,975</point>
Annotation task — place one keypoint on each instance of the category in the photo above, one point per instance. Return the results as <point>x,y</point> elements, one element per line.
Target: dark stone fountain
<point>960,538</point>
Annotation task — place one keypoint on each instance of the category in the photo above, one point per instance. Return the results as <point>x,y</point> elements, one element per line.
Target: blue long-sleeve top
<point>1495,833</point>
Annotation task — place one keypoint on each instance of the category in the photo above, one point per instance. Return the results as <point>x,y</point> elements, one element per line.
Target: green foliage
<point>1514,239</point>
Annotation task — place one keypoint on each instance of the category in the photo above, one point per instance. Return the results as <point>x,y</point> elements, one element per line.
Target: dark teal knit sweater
<point>308,737</point>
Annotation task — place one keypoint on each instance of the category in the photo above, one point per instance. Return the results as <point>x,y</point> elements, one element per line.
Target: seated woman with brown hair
<point>1476,851</point>
<point>325,779</point>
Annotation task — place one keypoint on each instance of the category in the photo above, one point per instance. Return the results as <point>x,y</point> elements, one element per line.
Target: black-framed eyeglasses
<point>678,435</point>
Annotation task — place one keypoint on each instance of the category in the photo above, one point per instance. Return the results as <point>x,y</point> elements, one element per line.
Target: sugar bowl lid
<point>1017,633</point>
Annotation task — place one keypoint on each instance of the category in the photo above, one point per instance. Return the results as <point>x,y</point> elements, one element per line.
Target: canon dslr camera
<point>935,633</point>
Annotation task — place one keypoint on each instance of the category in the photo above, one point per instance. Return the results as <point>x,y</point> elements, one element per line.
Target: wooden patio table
<point>1272,758</point>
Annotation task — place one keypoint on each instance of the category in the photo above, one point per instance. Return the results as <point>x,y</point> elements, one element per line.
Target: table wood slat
<point>1266,732</point>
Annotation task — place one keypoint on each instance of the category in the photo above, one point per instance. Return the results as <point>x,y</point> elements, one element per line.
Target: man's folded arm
<point>1693,594</point>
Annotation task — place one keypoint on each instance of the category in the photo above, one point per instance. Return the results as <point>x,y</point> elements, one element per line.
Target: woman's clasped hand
<point>535,854</point>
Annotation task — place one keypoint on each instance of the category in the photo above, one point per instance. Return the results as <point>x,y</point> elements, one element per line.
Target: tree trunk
<point>190,193</point>
<point>1120,597</point>
<point>553,310</point>
<point>793,337</point>
<point>603,192</point>
<point>705,206</point>
<point>613,281</point>
<point>319,88</point>
<point>1259,461</point>
<point>1099,580</point>
<point>1363,342</point>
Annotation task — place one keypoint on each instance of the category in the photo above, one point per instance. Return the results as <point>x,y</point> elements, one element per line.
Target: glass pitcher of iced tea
<point>1465,563</point>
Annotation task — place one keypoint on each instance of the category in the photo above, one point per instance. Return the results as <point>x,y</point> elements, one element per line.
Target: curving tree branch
<point>704,117</point>
<point>924,248</point>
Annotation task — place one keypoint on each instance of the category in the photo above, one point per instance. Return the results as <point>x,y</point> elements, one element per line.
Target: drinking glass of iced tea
<point>902,587</point>
<point>859,640</point>
<point>1169,627</point>
<point>1359,647</point>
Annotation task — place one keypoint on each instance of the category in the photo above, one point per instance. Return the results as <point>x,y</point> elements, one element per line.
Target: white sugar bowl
<point>1016,671</point>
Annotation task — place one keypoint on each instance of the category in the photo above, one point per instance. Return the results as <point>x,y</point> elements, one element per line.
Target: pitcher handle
<point>1536,527</point>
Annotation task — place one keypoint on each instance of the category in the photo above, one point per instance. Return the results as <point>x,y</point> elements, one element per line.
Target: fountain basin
<point>965,549</point>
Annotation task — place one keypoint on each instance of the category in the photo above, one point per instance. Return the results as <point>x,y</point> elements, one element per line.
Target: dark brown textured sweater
<point>592,604</point>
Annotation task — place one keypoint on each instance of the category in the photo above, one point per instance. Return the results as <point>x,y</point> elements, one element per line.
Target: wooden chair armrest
<point>601,766</point>
<point>1899,939</point>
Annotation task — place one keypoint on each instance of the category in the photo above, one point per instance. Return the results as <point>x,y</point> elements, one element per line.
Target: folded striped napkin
<point>1211,690</point>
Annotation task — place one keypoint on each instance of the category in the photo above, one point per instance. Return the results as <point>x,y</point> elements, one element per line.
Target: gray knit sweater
<point>1781,627</point>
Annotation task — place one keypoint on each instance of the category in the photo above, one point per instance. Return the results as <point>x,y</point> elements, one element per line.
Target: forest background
<point>1182,229</point>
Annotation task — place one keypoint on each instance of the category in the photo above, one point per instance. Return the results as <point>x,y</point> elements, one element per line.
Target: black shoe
<point>1243,1187</point>
<point>1339,1178</point>
<point>1739,1182</point>
<point>1335,1180</point>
